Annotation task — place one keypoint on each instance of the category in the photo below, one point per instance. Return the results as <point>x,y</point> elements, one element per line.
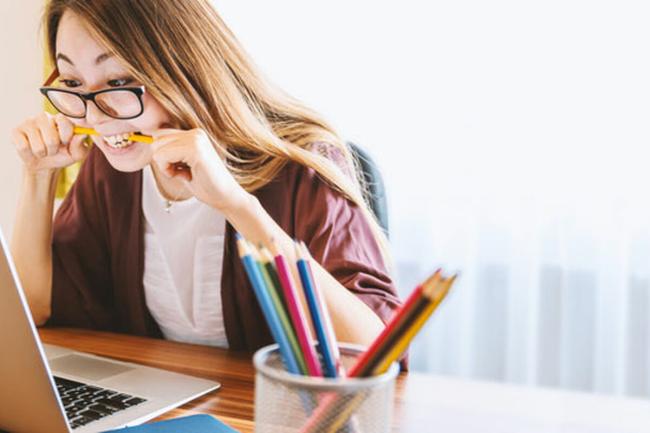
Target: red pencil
<point>331,413</point>
<point>362,366</point>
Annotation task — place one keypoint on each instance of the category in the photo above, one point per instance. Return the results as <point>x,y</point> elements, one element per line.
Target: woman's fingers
<point>165,138</point>
<point>173,157</point>
<point>75,144</point>
<point>49,133</point>
<point>78,149</point>
<point>43,142</point>
<point>65,128</point>
<point>179,169</point>
<point>160,133</point>
<point>22,146</point>
<point>35,140</point>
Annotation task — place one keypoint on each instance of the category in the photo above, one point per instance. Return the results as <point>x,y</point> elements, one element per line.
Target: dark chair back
<point>374,184</point>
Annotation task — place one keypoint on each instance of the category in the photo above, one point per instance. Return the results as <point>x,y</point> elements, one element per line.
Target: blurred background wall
<point>20,76</point>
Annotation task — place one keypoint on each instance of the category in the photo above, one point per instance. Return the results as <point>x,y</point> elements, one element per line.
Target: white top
<point>183,254</point>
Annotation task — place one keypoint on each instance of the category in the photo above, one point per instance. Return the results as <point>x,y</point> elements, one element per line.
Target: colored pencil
<point>343,413</point>
<point>267,260</point>
<point>329,327</point>
<point>364,364</point>
<point>273,287</point>
<point>297,313</point>
<point>327,346</point>
<point>266,304</point>
<point>333,411</point>
<point>408,317</point>
<point>140,138</point>
<point>436,295</point>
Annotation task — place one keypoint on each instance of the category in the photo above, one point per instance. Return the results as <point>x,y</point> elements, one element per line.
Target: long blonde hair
<point>188,59</point>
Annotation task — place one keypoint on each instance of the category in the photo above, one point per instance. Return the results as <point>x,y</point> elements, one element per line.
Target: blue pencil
<point>266,304</point>
<point>318,315</point>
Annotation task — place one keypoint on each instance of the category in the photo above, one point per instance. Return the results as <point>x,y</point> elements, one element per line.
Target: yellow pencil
<point>343,414</point>
<point>133,137</point>
<point>402,343</point>
<point>334,410</point>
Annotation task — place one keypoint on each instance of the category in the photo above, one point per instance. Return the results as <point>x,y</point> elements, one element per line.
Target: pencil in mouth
<point>118,139</point>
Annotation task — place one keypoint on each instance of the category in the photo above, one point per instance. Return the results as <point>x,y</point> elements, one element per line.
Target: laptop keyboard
<point>84,403</point>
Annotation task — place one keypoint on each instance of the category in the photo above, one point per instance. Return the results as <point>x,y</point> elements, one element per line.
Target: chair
<point>376,192</point>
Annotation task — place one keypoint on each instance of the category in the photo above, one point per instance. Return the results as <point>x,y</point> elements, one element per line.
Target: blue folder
<point>188,424</point>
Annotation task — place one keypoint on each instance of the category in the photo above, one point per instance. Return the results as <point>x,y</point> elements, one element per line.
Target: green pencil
<point>274,288</point>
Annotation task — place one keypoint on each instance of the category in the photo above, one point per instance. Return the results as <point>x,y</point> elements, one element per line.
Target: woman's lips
<point>117,144</point>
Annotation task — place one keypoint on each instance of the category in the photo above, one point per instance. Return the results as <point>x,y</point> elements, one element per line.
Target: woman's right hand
<point>47,142</point>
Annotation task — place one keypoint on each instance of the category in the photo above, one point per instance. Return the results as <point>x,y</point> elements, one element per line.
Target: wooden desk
<point>232,404</point>
<point>423,403</point>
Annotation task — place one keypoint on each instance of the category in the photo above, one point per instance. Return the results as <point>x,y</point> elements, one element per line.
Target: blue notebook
<point>187,424</point>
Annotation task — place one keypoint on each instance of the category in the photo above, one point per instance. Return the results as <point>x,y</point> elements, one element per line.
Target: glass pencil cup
<point>289,403</point>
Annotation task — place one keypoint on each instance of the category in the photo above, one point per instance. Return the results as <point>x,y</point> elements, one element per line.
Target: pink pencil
<point>297,314</point>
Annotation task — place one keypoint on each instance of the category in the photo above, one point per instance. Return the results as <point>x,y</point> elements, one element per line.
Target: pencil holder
<point>289,403</point>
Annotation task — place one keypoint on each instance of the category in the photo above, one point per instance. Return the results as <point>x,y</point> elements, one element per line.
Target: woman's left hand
<point>189,155</point>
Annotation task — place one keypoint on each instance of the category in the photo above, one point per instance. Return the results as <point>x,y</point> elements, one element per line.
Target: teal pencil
<point>266,304</point>
<point>273,287</point>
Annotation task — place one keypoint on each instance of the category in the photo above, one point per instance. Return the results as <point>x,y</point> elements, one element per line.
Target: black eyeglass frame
<point>90,96</point>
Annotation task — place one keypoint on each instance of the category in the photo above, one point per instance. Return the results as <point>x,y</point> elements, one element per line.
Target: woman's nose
<point>95,116</point>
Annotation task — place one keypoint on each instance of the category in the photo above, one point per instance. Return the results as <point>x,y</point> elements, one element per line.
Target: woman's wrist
<point>41,176</point>
<point>241,208</point>
<point>248,217</point>
<point>41,183</point>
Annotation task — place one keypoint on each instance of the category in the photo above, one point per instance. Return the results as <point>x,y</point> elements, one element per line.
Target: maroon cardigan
<point>98,252</point>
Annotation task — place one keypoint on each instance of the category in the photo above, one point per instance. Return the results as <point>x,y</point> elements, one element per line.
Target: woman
<point>144,242</point>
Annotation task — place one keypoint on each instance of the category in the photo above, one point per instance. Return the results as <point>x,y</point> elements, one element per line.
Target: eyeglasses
<point>122,103</point>
<point>118,103</point>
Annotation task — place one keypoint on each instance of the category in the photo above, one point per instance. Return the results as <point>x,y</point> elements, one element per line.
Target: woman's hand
<point>47,142</point>
<point>190,155</point>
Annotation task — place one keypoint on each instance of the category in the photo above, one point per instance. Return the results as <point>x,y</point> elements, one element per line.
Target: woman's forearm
<point>31,242</point>
<point>353,320</point>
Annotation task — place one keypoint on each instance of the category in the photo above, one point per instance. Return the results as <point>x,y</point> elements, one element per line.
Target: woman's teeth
<point>118,141</point>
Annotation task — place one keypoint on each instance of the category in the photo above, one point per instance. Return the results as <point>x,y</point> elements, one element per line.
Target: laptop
<point>50,389</point>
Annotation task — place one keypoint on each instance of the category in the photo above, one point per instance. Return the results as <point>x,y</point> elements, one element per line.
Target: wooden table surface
<point>233,402</point>
<point>423,403</point>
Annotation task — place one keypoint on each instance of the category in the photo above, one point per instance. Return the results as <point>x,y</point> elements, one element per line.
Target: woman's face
<point>86,66</point>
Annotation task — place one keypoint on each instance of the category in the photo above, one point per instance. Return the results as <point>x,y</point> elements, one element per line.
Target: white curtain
<point>550,294</point>
<point>513,137</point>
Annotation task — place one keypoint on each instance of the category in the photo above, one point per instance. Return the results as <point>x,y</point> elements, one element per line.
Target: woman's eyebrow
<point>98,60</point>
<point>63,57</point>
<point>102,57</point>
